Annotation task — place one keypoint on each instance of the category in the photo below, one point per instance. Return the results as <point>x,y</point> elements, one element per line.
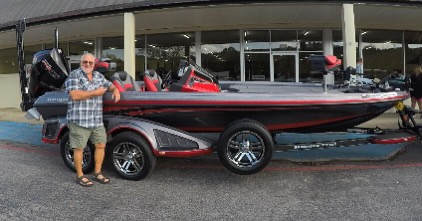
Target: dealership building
<point>234,40</point>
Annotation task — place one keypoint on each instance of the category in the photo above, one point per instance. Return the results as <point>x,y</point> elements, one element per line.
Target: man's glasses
<point>88,62</point>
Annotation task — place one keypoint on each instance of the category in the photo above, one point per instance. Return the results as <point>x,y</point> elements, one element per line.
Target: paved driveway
<point>36,185</point>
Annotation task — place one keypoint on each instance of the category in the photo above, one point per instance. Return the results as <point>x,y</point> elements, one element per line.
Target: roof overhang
<point>223,17</point>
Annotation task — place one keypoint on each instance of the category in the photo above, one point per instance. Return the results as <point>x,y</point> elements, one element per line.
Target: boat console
<point>194,79</point>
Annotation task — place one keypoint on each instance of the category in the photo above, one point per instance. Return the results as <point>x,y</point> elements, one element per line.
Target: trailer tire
<point>245,147</point>
<point>67,155</point>
<point>130,156</point>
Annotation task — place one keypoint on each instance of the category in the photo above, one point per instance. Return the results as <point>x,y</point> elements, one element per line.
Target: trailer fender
<point>163,140</point>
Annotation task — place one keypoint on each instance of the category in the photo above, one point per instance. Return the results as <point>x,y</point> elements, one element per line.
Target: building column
<point>242,55</point>
<point>360,48</point>
<point>360,45</point>
<point>98,47</point>
<point>327,41</point>
<point>129,44</point>
<point>145,53</point>
<point>349,42</point>
<point>198,48</point>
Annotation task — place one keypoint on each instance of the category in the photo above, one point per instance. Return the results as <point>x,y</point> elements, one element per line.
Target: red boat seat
<point>152,81</point>
<point>324,63</point>
<point>124,82</point>
<point>102,67</point>
<point>332,62</point>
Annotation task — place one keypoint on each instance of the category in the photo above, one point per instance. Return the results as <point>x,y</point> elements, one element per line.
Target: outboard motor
<point>49,71</point>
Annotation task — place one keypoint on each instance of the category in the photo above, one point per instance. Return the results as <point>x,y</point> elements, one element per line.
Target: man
<point>85,116</point>
<point>359,66</point>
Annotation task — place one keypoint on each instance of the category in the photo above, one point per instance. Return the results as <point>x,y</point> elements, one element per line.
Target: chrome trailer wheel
<point>130,156</point>
<point>67,155</point>
<point>245,147</point>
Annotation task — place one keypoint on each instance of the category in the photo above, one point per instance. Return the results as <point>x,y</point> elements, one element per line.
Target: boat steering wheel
<point>167,80</point>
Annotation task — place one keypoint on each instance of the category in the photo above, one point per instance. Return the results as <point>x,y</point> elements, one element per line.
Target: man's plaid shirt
<point>85,113</point>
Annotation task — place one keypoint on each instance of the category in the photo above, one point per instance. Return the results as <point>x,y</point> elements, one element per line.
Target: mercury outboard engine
<point>49,71</point>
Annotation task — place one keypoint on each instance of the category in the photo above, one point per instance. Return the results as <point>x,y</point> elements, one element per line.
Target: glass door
<point>285,67</point>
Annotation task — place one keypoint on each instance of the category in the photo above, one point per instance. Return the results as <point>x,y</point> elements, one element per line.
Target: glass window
<point>220,54</point>
<point>338,43</point>
<point>284,40</point>
<point>164,51</point>
<point>257,67</point>
<point>113,49</point>
<point>257,40</point>
<point>310,40</point>
<point>382,52</point>
<point>305,72</point>
<point>139,56</point>
<point>80,47</point>
<point>413,41</point>
<point>77,49</point>
<point>284,67</point>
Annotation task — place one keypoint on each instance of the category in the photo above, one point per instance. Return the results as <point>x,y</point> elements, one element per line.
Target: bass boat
<point>171,117</point>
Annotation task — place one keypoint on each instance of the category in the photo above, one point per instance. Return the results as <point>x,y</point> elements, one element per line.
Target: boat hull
<point>212,112</point>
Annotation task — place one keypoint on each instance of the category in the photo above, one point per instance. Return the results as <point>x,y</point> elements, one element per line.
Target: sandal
<point>85,183</point>
<point>103,179</point>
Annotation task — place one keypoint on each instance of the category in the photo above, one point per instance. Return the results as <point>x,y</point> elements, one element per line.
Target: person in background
<point>85,116</point>
<point>416,88</point>
<point>359,66</point>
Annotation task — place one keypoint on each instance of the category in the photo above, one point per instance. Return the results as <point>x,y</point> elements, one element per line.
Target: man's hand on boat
<point>116,93</point>
<point>81,95</point>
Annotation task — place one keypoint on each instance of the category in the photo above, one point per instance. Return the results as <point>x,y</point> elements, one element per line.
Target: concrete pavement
<point>15,115</point>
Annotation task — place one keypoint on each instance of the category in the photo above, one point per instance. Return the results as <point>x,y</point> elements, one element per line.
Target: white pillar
<point>198,48</point>
<point>145,53</point>
<point>129,43</point>
<point>327,41</point>
<point>98,47</point>
<point>360,48</point>
<point>349,42</point>
<point>242,55</point>
<point>360,45</point>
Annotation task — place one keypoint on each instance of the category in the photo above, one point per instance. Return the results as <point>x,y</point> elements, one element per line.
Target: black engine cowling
<point>49,71</point>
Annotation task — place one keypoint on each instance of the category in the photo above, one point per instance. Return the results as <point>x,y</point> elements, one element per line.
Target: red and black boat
<point>154,120</point>
<point>197,102</point>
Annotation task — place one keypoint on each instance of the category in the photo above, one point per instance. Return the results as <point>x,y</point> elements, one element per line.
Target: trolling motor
<point>407,120</point>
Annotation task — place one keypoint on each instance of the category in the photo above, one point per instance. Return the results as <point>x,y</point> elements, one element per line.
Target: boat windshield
<point>204,72</point>
<point>197,67</point>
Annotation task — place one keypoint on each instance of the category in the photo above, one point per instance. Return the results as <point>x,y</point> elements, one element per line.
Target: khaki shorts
<point>79,136</point>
